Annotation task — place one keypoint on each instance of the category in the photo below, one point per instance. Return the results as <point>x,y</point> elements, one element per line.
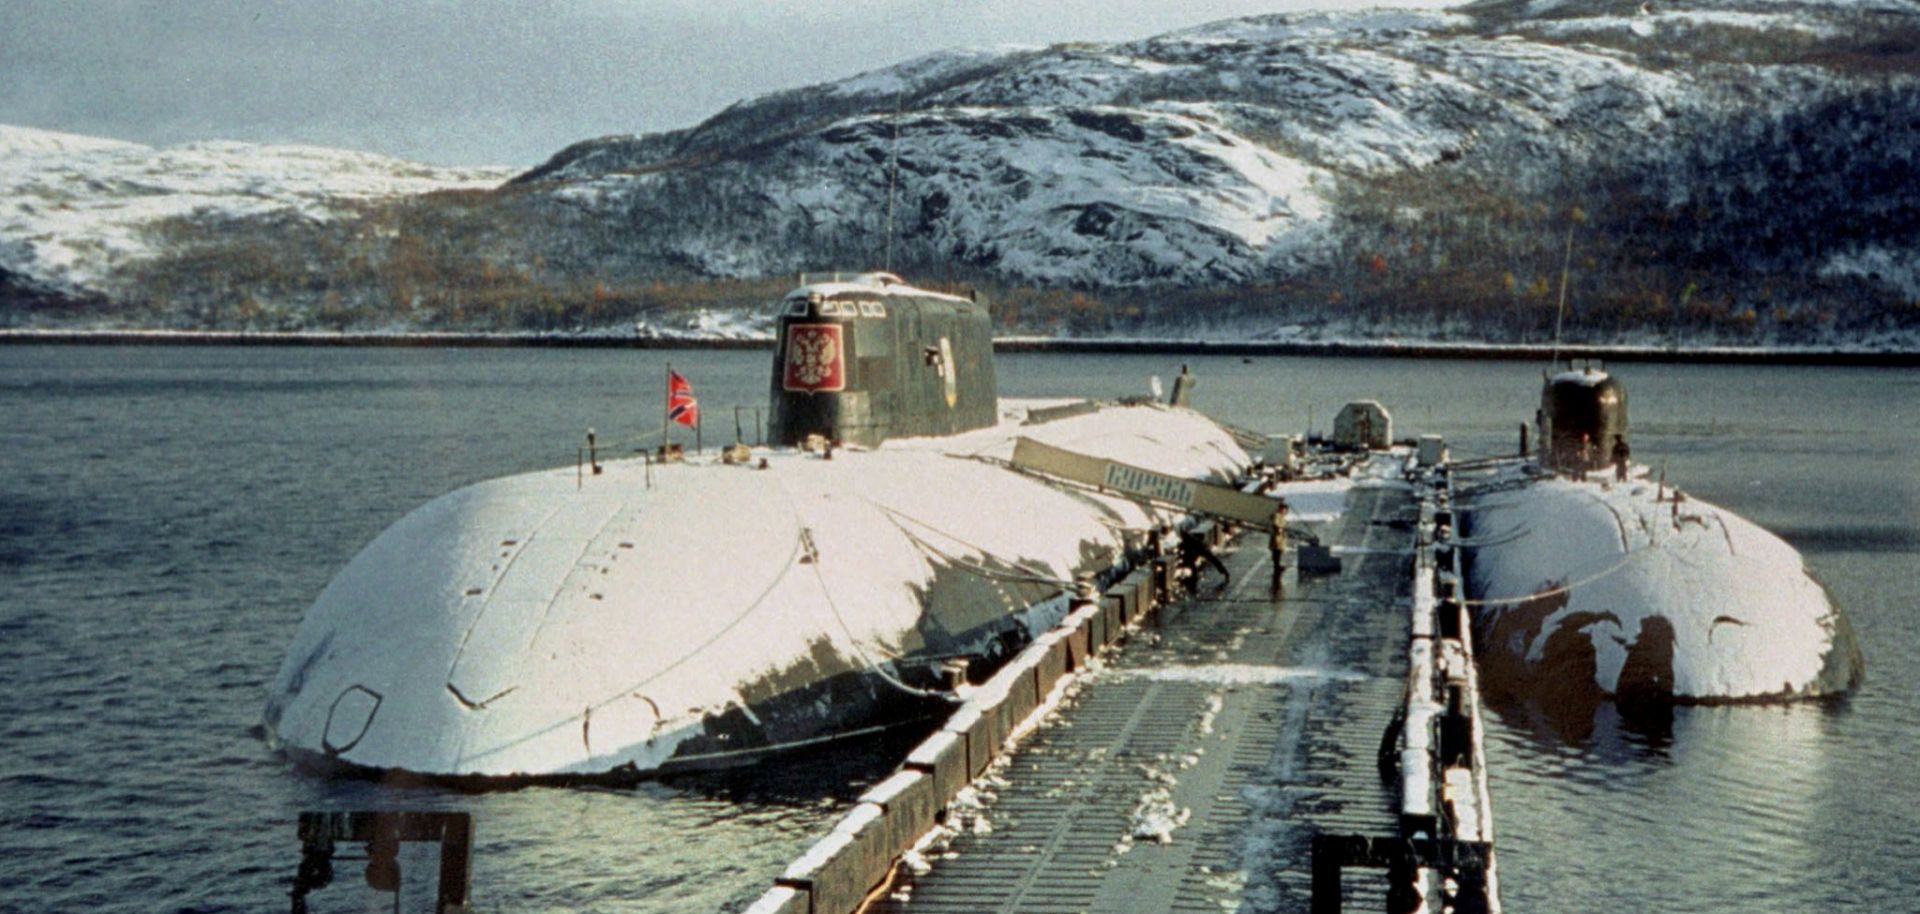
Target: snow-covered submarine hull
<point>535,627</point>
<point>1600,590</point>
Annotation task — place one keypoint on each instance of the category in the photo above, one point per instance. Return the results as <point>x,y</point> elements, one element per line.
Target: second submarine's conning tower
<point>865,357</point>
<point>1582,412</point>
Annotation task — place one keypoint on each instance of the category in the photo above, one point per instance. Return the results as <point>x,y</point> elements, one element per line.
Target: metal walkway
<point>1261,719</point>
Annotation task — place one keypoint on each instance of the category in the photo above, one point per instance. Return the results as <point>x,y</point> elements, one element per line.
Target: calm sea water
<point>166,515</point>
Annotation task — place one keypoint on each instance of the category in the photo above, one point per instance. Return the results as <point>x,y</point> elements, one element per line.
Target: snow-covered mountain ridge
<point>74,209</point>
<point>1739,165</point>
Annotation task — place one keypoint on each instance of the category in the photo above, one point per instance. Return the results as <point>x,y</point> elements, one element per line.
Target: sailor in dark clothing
<point>1621,454</point>
<point>1277,542</point>
<point>1194,550</point>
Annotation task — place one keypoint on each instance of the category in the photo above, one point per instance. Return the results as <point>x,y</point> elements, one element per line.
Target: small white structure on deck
<point>1363,424</point>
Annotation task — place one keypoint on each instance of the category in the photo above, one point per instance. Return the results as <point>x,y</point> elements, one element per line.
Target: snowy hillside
<point>1194,158</point>
<point>1733,169</point>
<point>1041,193</point>
<point>74,209</point>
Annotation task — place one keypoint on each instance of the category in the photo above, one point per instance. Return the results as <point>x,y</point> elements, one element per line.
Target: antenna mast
<point>893,178</point>
<point>1566,266</point>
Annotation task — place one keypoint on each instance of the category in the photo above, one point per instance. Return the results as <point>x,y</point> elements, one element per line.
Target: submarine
<point>656,617</point>
<point>1592,581</point>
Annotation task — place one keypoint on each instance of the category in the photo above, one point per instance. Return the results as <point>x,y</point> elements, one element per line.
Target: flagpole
<point>666,412</point>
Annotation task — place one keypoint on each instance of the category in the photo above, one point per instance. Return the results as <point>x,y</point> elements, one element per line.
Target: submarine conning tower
<point>1582,411</point>
<point>866,357</point>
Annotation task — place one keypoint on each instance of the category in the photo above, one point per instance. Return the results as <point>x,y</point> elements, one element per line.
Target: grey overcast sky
<point>470,82</point>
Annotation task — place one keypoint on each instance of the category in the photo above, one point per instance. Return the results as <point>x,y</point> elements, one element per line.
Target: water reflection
<point>1665,811</point>
<point>1601,728</point>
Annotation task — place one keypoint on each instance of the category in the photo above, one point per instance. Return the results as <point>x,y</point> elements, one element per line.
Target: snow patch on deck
<point>1238,674</point>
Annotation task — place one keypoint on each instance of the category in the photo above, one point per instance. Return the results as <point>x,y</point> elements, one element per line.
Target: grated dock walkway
<point>1261,718</point>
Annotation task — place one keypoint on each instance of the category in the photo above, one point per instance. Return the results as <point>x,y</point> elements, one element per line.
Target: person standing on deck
<point>1277,542</point>
<point>1621,454</point>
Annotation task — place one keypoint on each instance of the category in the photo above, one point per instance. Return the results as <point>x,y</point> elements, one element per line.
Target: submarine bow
<point>1591,591</point>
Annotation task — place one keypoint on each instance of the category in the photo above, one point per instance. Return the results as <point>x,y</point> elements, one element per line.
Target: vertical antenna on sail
<point>1566,267</point>
<point>893,178</point>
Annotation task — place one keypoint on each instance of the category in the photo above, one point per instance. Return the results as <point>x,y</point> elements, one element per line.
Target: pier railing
<point>1444,851</point>
<point>859,858</point>
<point>1464,807</point>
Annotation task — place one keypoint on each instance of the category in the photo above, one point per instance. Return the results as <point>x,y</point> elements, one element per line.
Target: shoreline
<point>1012,344</point>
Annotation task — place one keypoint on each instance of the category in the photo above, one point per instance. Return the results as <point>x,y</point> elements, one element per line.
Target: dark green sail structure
<point>866,357</point>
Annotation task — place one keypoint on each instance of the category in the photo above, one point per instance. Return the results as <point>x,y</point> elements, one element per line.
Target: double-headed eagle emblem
<point>814,360</point>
